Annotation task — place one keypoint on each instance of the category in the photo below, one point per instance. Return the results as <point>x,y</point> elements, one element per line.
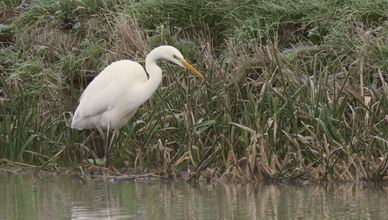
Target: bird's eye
<point>175,56</point>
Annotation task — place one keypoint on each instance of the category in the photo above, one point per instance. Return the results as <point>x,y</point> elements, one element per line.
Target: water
<point>62,197</point>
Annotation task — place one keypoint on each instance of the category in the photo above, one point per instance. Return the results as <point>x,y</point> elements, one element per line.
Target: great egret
<point>115,94</point>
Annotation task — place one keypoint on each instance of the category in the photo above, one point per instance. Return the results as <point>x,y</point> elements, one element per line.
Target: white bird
<point>115,94</point>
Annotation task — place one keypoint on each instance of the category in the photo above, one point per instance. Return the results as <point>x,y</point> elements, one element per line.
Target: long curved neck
<point>154,72</point>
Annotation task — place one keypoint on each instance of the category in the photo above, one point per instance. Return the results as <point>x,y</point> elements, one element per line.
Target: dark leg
<point>108,162</point>
<point>105,139</point>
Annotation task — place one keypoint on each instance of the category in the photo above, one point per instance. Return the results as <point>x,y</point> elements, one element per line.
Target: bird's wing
<point>107,87</point>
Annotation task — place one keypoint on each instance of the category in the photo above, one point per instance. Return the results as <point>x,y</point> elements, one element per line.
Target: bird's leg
<point>109,150</point>
<point>97,150</point>
<point>106,146</point>
<point>92,148</point>
<point>105,138</point>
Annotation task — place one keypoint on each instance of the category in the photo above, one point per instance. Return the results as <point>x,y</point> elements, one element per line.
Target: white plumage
<point>110,98</point>
<point>114,95</point>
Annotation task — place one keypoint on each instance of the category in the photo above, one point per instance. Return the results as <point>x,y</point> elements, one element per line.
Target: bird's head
<point>173,55</point>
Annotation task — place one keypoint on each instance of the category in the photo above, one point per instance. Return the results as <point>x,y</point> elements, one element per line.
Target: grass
<point>294,90</point>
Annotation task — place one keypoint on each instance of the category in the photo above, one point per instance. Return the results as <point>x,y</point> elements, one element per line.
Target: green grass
<point>294,89</point>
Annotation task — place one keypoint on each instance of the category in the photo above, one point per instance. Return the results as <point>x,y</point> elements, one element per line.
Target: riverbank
<point>85,172</point>
<point>294,91</point>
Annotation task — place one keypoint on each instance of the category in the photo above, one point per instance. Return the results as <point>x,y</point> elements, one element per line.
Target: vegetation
<point>294,90</point>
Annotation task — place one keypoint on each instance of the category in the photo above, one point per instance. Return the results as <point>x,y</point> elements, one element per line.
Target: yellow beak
<point>191,68</point>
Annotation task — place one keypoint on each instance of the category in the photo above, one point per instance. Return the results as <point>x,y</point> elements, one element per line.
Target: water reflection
<point>60,197</point>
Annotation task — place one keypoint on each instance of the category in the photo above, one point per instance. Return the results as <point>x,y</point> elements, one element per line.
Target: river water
<point>64,197</point>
